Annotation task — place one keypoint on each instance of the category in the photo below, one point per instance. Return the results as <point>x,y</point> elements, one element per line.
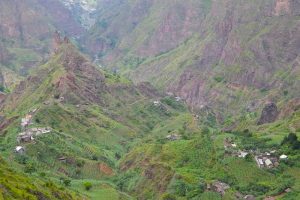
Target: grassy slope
<point>16,185</point>
<point>245,32</point>
<point>91,134</point>
<point>197,161</point>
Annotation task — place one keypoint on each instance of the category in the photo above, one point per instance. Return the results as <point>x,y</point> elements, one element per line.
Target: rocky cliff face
<point>222,55</point>
<point>269,114</point>
<point>26,29</point>
<point>82,10</point>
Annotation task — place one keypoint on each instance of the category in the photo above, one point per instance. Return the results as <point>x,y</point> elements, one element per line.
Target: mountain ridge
<point>183,100</point>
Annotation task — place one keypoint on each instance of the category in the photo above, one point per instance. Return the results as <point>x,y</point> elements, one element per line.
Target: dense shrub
<point>218,79</point>
<point>168,196</point>
<point>291,141</point>
<point>87,185</point>
<point>29,168</point>
<point>67,182</point>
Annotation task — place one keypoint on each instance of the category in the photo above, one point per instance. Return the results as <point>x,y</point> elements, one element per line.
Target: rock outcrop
<point>26,29</point>
<point>221,54</point>
<point>269,114</point>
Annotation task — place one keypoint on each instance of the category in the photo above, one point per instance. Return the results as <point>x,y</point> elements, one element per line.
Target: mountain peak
<point>58,40</point>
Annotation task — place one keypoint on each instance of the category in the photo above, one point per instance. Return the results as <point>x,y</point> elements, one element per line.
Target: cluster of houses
<point>229,144</point>
<point>29,134</point>
<point>218,187</point>
<point>177,98</point>
<point>158,103</point>
<point>269,159</point>
<point>266,160</point>
<point>231,147</point>
<point>26,121</point>
<point>221,188</point>
<point>263,160</point>
<point>173,137</point>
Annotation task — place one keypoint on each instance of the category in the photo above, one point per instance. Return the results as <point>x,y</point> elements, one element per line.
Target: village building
<point>26,121</point>
<point>29,134</point>
<point>266,160</point>
<point>219,187</point>
<point>61,99</point>
<point>19,150</point>
<point>283,157</point>
<point>243,154</point>
<point>156,103</point>
<point>23,138</point>
<point>62,159</point>
<point>268,163</point>
<point>33,111</point>
<point>228,144</point>
<point>249,197</point>
<point>170,94</point>
<point>173,137</point>
<point>178,98</point>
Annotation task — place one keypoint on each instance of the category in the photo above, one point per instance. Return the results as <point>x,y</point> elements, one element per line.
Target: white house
<point>283,157</point>
<point>19,149</point>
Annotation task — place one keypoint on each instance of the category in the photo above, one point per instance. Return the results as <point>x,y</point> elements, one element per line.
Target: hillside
<point>15,185</point>
<point>224,56</point>
<point>182,100</point>
<point>26,29</point>
<point>83,119</point>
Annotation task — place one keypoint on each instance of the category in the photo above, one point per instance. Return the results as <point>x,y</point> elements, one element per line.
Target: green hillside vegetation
<point>198,161</point>
<point>110,134</point>
<point>109,139</point>
<point>223,55</point>
<point>16,185</point>
<point>88,134</point>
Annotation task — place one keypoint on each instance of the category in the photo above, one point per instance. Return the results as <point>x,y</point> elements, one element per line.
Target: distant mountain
<point>93,116</point>
<point>194,99</point>
<point>26,29</point>
<point>219,55</point>
<point>83,10</point>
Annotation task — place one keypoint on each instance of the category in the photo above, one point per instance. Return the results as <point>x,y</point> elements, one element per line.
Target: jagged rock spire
<point>58,41</point>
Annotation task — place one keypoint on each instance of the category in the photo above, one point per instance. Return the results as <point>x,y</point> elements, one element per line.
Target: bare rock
<point>269,114</point>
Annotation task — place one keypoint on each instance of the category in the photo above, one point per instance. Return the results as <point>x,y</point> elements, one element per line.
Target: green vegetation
<point>291,141</point>
<point>87,185</point>
<point>110,139</point>
<point>83,131</point>
<point>15,185</point>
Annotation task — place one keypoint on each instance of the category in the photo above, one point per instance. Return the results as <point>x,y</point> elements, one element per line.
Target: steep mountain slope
<point>234,63</point>
<point>15,185</point>
<point>82,10</point>
<point>83,120</point>
<point>224,56</point>
<point>26,29</point>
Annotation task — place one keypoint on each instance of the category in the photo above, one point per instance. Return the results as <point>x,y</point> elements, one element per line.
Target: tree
<point>249,158</point>
<point>2,88</point>
<point>291,141</point>
<point>29,168</point>
<point>67,182</point>
<point>179,188</point>
<point>87,185</point>
<point>168,196</point>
